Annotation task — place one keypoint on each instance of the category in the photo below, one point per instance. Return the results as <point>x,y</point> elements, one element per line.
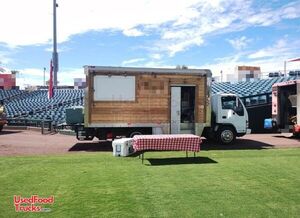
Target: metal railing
<point>256,100</point>
<point>46,125</point>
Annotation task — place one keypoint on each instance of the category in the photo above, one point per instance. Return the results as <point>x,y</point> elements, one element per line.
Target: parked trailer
<point>125,102</point>
<point>285,107</point>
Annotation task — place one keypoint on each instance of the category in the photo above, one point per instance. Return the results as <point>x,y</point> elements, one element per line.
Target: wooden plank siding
<point>152,102</point>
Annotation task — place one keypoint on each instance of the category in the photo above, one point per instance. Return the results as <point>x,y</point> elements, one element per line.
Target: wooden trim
<point>91,96</point>
<point>196,118</point>
<point>112,73</point>
<point>131,70</point>
<point>169,103</point>
<point>205,103</point>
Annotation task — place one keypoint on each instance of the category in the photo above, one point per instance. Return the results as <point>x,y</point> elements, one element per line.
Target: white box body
<point>122,147</point>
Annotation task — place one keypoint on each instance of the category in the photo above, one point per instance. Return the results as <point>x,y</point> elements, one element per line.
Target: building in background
<point>8,81</point>
<point>79,83</point>
<point>232,78</point>
<point>248,73</point>
<point>216,79</point>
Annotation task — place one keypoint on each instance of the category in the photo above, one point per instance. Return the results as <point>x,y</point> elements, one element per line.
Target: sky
<point>214,34</point>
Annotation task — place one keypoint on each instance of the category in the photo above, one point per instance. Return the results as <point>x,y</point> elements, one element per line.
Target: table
<point>177,142</point>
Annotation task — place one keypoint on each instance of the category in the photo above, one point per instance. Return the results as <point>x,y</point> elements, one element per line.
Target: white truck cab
<point>229,118</point>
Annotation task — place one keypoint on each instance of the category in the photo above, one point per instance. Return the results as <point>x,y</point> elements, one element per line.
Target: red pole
<point>50,91</point>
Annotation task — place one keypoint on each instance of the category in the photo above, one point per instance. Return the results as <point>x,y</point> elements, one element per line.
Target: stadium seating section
<point>244,89</point>
<point>35,105</point>
<point>6,94</point>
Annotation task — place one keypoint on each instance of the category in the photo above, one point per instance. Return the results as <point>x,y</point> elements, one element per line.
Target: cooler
<point>268,123</point>
<point>122,147</point>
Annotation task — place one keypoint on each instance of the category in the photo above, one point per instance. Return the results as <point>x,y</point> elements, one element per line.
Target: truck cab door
<point>233,112</point>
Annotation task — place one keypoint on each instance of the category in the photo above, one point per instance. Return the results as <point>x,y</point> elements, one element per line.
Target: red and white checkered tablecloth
<point>178,142</point>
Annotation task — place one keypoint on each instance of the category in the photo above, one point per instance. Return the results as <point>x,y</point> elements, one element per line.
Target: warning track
<point>27,142</point>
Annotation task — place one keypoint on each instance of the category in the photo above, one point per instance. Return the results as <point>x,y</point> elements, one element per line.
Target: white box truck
<point>122,101</point>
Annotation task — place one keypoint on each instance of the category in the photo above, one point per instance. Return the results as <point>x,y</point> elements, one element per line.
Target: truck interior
<point>288,104</point>
<point>187,117</point>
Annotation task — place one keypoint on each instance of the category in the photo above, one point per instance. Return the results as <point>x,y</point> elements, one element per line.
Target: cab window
<point>228,102</point>
<point>231,103</point>
<point>239,109</point>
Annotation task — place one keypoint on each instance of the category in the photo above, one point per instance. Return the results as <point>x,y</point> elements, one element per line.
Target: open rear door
<point>175,109</point>
<point>182,109</point>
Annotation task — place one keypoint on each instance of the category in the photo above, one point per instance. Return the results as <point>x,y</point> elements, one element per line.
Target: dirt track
<point>26,142</point>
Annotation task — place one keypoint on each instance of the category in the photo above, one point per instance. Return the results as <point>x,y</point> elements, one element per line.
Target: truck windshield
<point>231,102</point>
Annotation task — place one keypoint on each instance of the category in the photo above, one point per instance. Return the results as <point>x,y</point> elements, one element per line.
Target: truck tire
<point>226,135</point>
<point>1,127</point>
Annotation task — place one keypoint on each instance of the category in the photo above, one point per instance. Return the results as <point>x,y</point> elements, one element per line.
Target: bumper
<point>248,131</point>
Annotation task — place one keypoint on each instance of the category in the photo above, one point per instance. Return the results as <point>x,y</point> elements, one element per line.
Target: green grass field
<point>246,183</point>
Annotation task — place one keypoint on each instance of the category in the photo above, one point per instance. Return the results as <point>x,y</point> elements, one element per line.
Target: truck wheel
<point>226,135</point>
<point>1,127</point>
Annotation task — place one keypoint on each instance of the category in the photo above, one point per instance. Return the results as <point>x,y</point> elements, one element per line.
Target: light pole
<point>221,75</point>
<point>44,76</point>
<point>54,54</point>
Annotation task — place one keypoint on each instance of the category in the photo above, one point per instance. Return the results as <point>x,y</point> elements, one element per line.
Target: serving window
<point>114,88</point>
